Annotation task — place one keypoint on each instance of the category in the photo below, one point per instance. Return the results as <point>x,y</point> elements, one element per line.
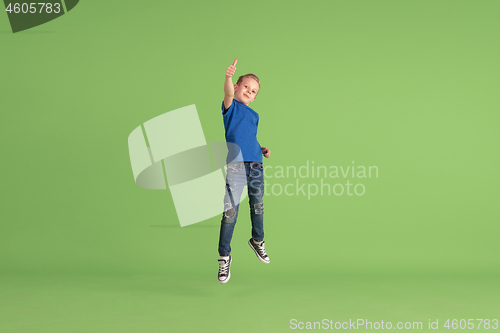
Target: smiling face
<point>246,91</point>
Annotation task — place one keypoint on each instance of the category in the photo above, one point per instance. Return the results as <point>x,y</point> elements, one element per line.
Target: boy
<point>244,166</point>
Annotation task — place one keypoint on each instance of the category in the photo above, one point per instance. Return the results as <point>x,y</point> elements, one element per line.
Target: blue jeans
<point>238,175</point>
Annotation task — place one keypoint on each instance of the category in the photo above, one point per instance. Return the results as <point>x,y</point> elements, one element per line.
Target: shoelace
<point>262,250</point>
<point>224,268</point>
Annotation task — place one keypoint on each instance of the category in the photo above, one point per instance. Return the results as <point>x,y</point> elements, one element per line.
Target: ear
<point>235,86</point>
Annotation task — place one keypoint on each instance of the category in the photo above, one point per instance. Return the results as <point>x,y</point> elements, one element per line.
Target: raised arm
<point>228,85</point>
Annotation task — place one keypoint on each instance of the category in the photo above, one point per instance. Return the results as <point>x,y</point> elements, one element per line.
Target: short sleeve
<point>227,111</point>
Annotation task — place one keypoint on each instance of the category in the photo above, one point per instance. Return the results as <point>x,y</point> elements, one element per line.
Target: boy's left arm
<point>266,152</point>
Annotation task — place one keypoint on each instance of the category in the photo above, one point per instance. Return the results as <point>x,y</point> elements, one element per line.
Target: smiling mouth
<point>246,95</point>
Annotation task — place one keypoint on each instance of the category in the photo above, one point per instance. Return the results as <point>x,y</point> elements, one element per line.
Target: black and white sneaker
<point>259,250</point>
<point>224,272</point>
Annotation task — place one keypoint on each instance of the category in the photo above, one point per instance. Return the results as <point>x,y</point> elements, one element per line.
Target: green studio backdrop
<point>408,88</point>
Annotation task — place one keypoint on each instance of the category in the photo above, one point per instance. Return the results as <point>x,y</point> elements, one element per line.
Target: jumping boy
<point>244,167</point>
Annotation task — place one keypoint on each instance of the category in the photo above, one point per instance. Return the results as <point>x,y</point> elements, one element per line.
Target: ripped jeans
<point>238,175</point>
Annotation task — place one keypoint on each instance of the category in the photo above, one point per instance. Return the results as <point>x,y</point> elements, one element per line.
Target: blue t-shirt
<point>241,123</point>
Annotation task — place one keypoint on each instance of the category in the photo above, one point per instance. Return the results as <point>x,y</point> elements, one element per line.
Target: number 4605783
<point>26,8</point>
<point>470,324</point>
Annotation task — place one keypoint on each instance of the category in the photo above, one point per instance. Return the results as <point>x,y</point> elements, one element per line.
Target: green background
<point>408,86</point>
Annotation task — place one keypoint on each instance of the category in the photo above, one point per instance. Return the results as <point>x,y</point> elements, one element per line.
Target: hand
<point>231,69</point>
<point>266,152</point>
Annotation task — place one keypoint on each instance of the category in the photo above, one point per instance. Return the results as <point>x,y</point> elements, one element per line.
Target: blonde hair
<point>251,76</point>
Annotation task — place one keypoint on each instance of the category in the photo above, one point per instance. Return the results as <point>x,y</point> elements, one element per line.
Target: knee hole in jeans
<point>258,208</point>
<point>229,213</point>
